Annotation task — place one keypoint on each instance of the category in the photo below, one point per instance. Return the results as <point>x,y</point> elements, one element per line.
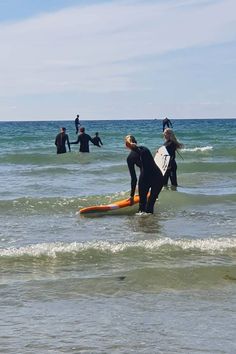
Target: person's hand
<point>131,200</point>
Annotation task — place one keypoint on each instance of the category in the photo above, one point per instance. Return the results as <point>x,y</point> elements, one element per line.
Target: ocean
<point>163,283</point>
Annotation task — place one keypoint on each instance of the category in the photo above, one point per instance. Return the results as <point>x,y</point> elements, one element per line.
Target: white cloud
<point>102,47</point>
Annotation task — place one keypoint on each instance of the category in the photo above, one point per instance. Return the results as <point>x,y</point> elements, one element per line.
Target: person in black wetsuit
<point>77,124</point>
<point>97,141</point>
<point>172,145</point>
<point>166,123</point>
<point>84,140</point>
<point>150,177</point>
<point>61,140</point>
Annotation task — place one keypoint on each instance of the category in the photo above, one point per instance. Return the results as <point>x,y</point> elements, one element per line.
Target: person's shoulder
<point>144,151</point>
<point>171,145</point>
<point>134,154</point>
<point>143,148</point>
<point>130,156</point>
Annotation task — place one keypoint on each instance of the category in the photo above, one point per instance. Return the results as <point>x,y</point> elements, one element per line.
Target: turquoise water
<point>116,284</point>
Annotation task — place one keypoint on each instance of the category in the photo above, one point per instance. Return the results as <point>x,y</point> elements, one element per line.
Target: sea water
<point>164,283</point>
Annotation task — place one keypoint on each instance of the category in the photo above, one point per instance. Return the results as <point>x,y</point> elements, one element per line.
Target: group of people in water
<point>150,181</point>
<point>62,139</point>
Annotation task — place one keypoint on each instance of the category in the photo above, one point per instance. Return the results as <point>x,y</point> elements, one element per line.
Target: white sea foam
<point>196,149</point>
<point>55,249</point>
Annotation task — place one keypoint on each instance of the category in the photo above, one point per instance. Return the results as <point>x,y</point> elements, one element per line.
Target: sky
<point>117,59</point>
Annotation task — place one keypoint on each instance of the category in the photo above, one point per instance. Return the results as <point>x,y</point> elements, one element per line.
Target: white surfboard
<point>162,159</point>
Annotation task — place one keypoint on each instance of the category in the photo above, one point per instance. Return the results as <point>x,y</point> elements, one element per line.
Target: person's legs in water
<point>166,177</point>
<point>143,188</point>
<point>61,150</point>
<point>173,176</point>
<point>156,187</point>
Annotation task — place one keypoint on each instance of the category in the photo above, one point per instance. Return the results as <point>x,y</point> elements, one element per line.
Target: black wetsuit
<point>150,177</point>
<point>172,168</point>
<point>60,143</point>
<point>97,141</point>
<point>84,140</point>
<point>77,124</point>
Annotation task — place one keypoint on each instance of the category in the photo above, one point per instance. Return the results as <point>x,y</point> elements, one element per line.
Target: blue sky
<point>119,59</point>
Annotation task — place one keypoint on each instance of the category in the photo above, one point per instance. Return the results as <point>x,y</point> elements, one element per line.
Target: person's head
<point>96,133</point>
<point>77,116</point>
<point>82,130</point>
<point>130,142</point>
<point>170,136</point>
<point>63,130</point>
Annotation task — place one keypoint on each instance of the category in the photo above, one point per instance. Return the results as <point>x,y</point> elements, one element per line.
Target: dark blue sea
<point>164,283</point>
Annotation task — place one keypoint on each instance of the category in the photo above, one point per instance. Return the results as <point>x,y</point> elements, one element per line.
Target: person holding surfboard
<point>172,145</point>
<point>150,178</point>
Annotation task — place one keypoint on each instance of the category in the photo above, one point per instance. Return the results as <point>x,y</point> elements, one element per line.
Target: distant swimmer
<point>166,123</point>
<point>150,177</point>
<point>61,139</point>
<point>97,141</point>
<point>84,140</point>
<point>172,145</point>
<point>77,124</point>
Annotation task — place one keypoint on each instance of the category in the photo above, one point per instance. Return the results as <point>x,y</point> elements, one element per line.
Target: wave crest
<point>196,149</point>
<point>54,250</point>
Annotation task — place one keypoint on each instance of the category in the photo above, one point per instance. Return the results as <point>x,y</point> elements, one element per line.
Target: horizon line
<point>121,119</point>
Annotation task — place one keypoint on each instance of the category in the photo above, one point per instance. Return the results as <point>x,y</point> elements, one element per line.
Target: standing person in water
<point>166,123</point>
<point>172,145</point>
<point>84,140</point>
<point>77,124</point>
<point>150,177</point>
<point>61,139</point>
<point>97,141</point>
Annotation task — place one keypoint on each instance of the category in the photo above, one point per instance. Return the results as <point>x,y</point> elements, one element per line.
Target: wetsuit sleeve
<point>91,140</point>
<point>68,142</point>
<point>76,142</point>
<point>100,141</point>
<point>133,176</point>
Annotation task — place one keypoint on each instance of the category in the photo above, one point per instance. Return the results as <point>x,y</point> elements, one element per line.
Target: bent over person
<point>61,139</point>
<point>150,177</point>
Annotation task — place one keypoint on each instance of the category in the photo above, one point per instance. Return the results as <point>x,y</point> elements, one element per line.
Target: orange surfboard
<point>113,208</point>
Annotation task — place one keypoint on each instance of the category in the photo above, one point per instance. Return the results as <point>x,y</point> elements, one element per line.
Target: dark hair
<point>130,139</point>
